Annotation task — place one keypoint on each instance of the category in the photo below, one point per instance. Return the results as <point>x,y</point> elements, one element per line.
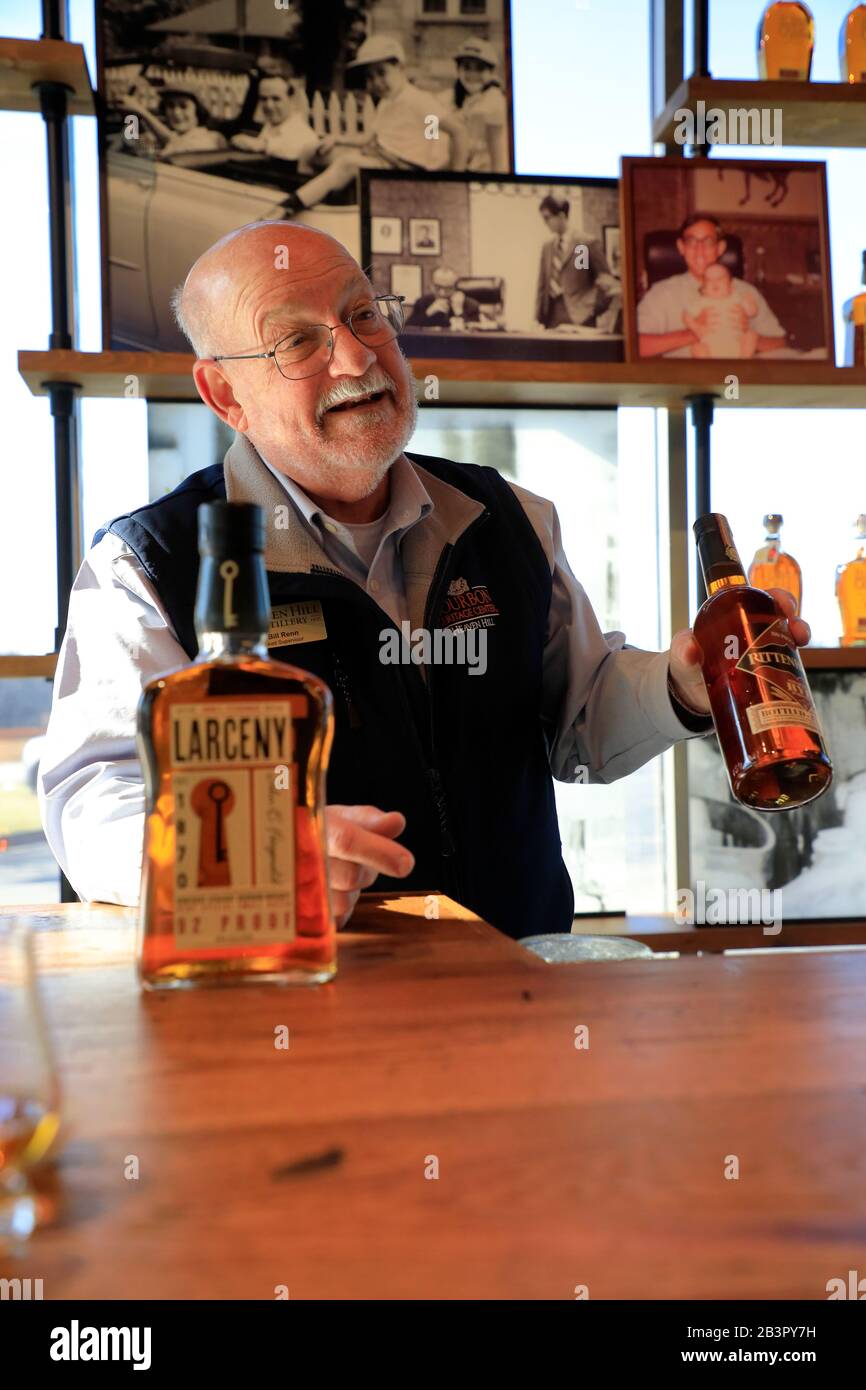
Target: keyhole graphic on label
<point>229,571</point>
<point>212,801</point>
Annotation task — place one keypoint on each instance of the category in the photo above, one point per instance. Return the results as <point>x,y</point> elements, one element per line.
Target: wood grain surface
<point>764,383</point>
<point>557,1167</point>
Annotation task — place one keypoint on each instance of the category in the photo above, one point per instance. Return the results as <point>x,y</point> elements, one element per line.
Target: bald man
<point>441,771</point>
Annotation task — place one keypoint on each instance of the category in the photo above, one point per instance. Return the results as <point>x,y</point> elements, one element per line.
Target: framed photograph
<point>797,851</point>
<point>424,239</point>
<point>386,234</point>
<point>259,111</point>
<point>515,266</point>
<point>406,280</point>
<point>721,256</point>
<point>612,250</point>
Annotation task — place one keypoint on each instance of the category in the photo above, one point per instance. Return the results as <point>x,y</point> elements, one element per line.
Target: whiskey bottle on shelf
<point>855,323</point>
<point>235,749</point>
<point>772,568</point>
<point>852,45</point>
<point>786,41</point>
<point>765,718</point>
<point>851,591</point>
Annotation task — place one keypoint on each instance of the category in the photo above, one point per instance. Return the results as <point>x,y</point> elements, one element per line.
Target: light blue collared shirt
<point>409,502</point>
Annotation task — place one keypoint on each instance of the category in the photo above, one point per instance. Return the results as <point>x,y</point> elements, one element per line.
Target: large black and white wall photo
<point>223,112</point>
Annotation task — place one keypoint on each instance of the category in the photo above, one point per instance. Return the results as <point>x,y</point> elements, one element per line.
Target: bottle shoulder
<point>736,599</point>
<point>234,679</point>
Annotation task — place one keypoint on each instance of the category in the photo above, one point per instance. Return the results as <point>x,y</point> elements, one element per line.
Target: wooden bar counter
<point>444,1047</point>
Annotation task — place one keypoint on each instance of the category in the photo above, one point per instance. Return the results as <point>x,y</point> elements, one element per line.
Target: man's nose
<point>351,356</point>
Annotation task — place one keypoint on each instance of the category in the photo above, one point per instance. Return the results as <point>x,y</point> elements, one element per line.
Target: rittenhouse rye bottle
<point>762,707</point>
<point>234,749</point>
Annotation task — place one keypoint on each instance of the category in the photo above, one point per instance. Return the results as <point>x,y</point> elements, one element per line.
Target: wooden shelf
<point>813,113</point>
<point>25,61</point>
<point>167,376</point>
<point>16,666</point>
<point>827,658</point>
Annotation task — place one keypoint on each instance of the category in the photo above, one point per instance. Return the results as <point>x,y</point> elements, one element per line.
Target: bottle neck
<point>720,563</point>
<point>724,581</point>
<point>232,610</point>
<point>222,646</point>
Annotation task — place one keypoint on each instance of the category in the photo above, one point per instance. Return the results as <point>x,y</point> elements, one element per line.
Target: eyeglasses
<point>308,350</point>
<point>700,240</point>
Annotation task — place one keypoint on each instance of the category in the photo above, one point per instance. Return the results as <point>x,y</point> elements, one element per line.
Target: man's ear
<point>723,246</point>
<point>216,391</point>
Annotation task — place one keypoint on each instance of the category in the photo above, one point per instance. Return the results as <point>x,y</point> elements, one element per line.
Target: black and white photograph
<point>727,258</point>
<point>424,238</point>
<point>613,250</point>
<point>813,854</point>
<point>224,112</point>
<point>386,234</point>
<point>509,267</point>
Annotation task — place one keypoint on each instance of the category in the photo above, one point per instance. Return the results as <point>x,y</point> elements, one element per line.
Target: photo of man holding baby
<point>726,259</point>
<point>706,311</point>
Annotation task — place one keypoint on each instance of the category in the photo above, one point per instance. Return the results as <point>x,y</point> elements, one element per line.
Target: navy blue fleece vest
<point>463,756</point>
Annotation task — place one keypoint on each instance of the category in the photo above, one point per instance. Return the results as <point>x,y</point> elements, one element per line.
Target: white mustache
<point>353,388</point>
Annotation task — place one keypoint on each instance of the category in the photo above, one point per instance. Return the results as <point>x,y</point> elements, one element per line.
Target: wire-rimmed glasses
<point>309,348</point>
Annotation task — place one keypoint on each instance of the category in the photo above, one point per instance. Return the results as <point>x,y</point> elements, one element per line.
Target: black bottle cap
<point>715,522</point>
<point>225,527</point>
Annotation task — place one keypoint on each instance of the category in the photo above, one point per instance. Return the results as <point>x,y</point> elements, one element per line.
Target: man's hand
<point>685,670</point>
<point>360,847</point>
<point>706,321</point>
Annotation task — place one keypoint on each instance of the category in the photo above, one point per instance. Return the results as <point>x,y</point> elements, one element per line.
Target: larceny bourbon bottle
<point>762,707</point>
<point>235,750</point>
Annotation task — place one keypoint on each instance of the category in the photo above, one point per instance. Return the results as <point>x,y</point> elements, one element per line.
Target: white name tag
<point>296,622</point>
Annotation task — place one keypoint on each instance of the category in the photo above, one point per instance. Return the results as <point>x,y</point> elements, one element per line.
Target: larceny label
<point>235,788</point>
<point>774,659</point>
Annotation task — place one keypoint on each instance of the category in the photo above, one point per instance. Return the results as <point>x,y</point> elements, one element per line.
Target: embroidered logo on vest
<point>468,606</point>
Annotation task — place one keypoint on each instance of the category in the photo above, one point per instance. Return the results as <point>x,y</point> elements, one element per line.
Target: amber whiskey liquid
<point>852,45</point>
<point>786,41</point>
<point>235,751</point>
<point>851,591</point>
<point>765,718</point>
<point>28,1129</point>
<point>772,568</point>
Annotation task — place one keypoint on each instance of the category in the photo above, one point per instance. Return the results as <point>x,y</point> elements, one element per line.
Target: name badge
<point>296,622</point>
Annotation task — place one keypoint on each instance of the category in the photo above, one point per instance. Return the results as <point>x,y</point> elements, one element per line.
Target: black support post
<point>53,101</point>
<point>702,421</point>
<point>701,36</point>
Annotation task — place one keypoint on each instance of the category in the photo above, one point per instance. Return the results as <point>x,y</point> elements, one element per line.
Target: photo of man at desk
<point>529,252</point>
